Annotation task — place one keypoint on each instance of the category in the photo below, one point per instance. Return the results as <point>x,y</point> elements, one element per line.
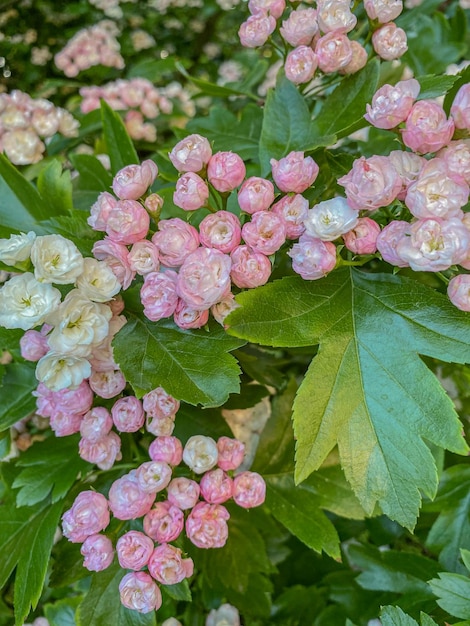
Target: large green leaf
<point>367,390</point>
<point>16,386</point>
<point>453,593</point>
<point>92,180</point>
<point>394,616</point>
<point>119,145</point>
<point>55,186</point>
<point>190,365</point>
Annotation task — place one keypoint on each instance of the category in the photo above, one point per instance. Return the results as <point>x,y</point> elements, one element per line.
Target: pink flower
<point>64,424</point>
<point>167,450</point>
<point>154,204</point>
<point>294,172</point>
<point>249,268</point>
<point>158,295</point>
<point>300,27</point>
<point>221,230</point>
<point>221,309</point>
<point>98,552</point>
<point>153,476</point>
<point>460,109</point>
<point>312,258</point>
<point>78,400</point>
<point>294,211</point>
<point>132,181</point>
<point>427,127</point>
<point>204,278</point>
<point>249,490</point>
<point>96,423</point>
<point>89,515</point>
<point>388,239</point>
<point>143,257</point>
<point>128,222</point>
<point>265,233</point>
<point>128,414</point>
<point>134,549</point>
<point>358,59</point>
<point>389,42</point>
<point>408,166</point>
<point>329,219</point>
<point>372,183</point>
<point>271,7</point>
<point>127,500</point>
<point>102,452</point>
<point>183,492</point>
<point>225,171</point>
<point>187,317</point>
<point>115,255</point>
<point>164,522</point>
<point>158,403</point>
<point>256,30</point>
<point>300,65</point>
<point>333,52</point>
<point>458,291</point>
<point>33,345</point>
<point>107,384</point>
<point>255,194</point>
<point>216,486</point>
<point>160,426</point>
<point>206,525</point>
<point>231,453</point>
<point>392,105</point>
<point>191,192</point>
<point>383,10</point>
<point>457,156</point>
<point>100,210</point>
<point>168,567</point>
<point>335,15</point>
<point>139,592</point>
<point>175,240</point>
<point>191,154</point>
<point>362,239</point>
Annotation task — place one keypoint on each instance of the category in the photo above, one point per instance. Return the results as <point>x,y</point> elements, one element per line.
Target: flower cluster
<point>319,37</point>
<point>166,506</point>
<point>25,122</point>
<point>96,45</point>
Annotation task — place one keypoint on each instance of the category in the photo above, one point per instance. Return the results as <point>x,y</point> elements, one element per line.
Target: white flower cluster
<point>78,326</point>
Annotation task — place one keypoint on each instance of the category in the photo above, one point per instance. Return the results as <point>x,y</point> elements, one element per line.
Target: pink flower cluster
<point>319,37</point>
<point>25,122</point>
<point>96,45</point>
<point>167,506</point>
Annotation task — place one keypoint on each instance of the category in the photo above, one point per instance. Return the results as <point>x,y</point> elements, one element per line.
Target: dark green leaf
<point>93,175</point>
<point>75,228</point>
<point>190,365</point>
<point>462,78</point>
<point>55,186</point>
<point>67,564</point>
<point>119,146</point>
<point>249,396</point>
<point>394,616</point>
<point>62,612</point>
<point>298,606</point>
<point>10,338</point>
<point>367,390</point>
<point>15,389</point>
<point>435,86</point>
<point>180,591</point>
<point>453,593</point>
<point>212,89</point>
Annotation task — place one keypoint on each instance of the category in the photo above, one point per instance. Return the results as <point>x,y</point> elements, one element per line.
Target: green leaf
<point>21,206</point>
<point>453,593</point>
<point>343,110</point>
<point>212,89</point>
<point>192,366</point>
<point>228,131</point>
<point>26,539</point>
<point>93,175</point>
<point>462,78</point>
<point>75,228</point>
<point>62,612</point>
<point>16,386</point>
<point>367,390</point>
<point>465,558</point>
<point>50,467</point>
<point>102,604</point>
<point>10,338</point>
<point>287,125</point>
<point>119,146</point>
<point>435,86</point>
<point>394,616</point>
<point>55,186</point>
<point>179,591</point>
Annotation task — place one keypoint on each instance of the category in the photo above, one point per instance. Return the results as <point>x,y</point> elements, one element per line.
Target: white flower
<point>61,371</point>
<point>200,453</point>
<point>25,303</point>
<point>97,281</point>
<point>17,248</point>
<point>56,260</point>
<point>79,325</point>
<point>329,219</point>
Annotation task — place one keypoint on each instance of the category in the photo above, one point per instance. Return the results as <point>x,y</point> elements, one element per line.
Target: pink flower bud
<point>33,345</point>
<point>330,219</point>
<point>154,203</point>
<point>272,7</point>
<point>160,426</point>
<point>128,414</point>
<point>139,592</point>
<point>115,255</point>
<point>96,423</point>
<point>392,105</point>
<point>167,450</point>
<point>221,309</point>
<point>312,258</point>
<point>216,486</point>
<point>128,222</point>
<point>206,525</point>
<point>132,181</point>
<point>168,567</point>
<point>191,154</point>
<point>102,452</point>
<point>231,453</point>
<point>256,30</point>
<point>294,172</point>
<point>64,424</point>
<point>127,500</point>
<point>158,295</point>
<point>249,490</point>
<point>153,476</point>
<point>89,515</point>
<point>226,171</point>
<point>107,384</point>
<point>175,240</point>
<point>143,257</point>
<point>98,552</point>
<point>457,157</point>
<point>460,109</point>
<point>427,127</point>
<point>333,52</point>
<point>300,65</point>
<point>372,183</point>
<point>362,239</point>
<point>204,278</point>
<point>187,317</point>
<point>249,268</point>
<point>159,403</point>
<point>300,27</point>
<point>134,549</point>
<point>383,10</point>
<point>78,400</point>
<point>164,522</point>
<point>408,166</point>
<point>256,194</point>
<point>458,291</point>
<point>183,492</point>
<point>335,15</point>
<point>389,42</point>
<point>388,239</point>
<point>358,60</point>
<point>294,211</point>
<point>200,453</point>
<point>221,230</point>
<point>265,233</point>
<point>191,192</point>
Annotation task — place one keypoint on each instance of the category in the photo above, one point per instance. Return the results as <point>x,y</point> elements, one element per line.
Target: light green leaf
<point>287,125</point>
<point>367,390</point>
<point>62,612</point>
<point>465,554</point>
<point>55,186</point>
<point>453,593</point>
<point>191,365</point>
<point>102,604</point>
<point>394,616</point>
<point>179,591</point>
<point>435,86</point>
<point>119,146</point>
<point>50,467</point>
<point>92,173</point>
<point>16,386</point>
